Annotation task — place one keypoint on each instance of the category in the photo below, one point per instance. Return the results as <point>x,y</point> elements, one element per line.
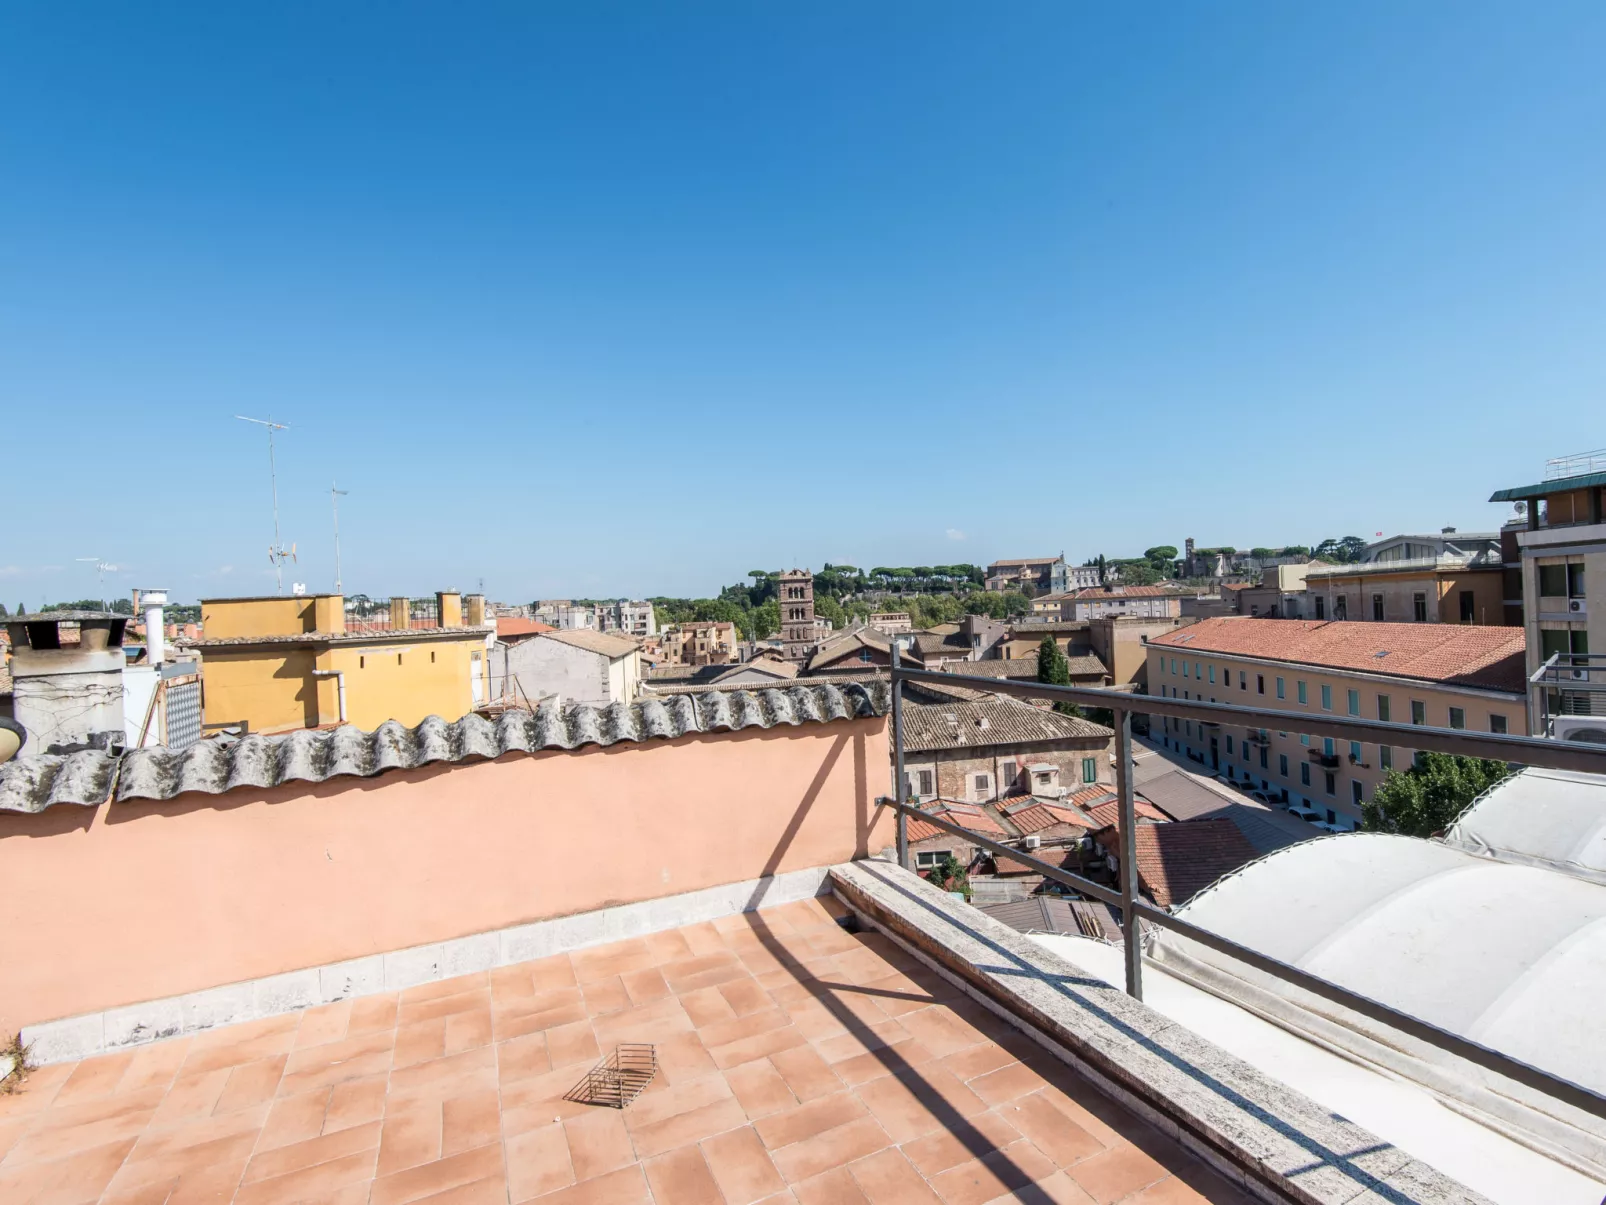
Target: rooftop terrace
<point>798,1062</point>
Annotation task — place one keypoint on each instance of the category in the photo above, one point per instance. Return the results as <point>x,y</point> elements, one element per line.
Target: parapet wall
<point>138,900</point>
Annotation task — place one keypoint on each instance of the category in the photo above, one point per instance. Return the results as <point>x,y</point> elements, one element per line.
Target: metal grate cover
<point>619,1078</point>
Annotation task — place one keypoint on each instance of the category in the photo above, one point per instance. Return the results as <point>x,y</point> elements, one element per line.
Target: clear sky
<point>596,298</point>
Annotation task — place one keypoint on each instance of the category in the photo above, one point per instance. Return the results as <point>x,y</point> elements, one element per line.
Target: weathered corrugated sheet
<point>31,784</point>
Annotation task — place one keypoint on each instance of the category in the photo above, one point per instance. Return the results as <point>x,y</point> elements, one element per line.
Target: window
<point>1327,746</point>
<point>1304,739</point>
<point>1419,607</point>
<point>1355,792</point>
<point>932,857</point>
<point>1198,672</point>
<point>432,657</point>
<point>1304,774</point>
<point>1243,680</point>
<point>1575,580</point>
<point>1184,669</point>
<point>1090,769</point>
<point>1497,723</point>
<point>984,783</point>
<point>1282,693</point>
<point>1330,781</point>
<point>864,656</point>
<point>1355,752</point>
<point>1229,746</point>
<point>1385,757</point>
<point>1321,608</point>
<point>1383,708</point>
<point>1355,702</point>
<point>1282,764</point>
<point>1419,712</point>
<point>1331,819</point>
<point>1327,698</point>
<point>1263,757</point>
<point>1303,697</point>
<point>362,662</point>
<point>1011,772</point>
<point>1260,684</point>
<point>398,658</point>
<point>1341,607</point>
<point>926,785</point>
<point>1212,675</point>
<point>1458,717</point>
<point>1377,608</point>
<point>1553,581</point>
<point>1467,605</point>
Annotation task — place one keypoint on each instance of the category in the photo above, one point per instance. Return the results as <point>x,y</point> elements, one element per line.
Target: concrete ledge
<point>136,1024</point>
<point>1276,1143</point>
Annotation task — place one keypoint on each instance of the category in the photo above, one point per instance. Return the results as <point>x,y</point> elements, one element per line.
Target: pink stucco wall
<point>139,901</point>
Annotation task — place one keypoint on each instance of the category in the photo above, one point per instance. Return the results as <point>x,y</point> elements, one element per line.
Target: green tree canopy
<point>826,608</point>
<point>1426,799</point>
<point>1160,552</point>
<point>1295,550</point>
<point>766,619</point>
<point>1262,554</point>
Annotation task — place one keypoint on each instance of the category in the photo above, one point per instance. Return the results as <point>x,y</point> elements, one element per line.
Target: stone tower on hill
<point>796,599</point>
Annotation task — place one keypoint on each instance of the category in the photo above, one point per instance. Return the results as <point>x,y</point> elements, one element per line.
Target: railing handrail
<point>1532,751</point>
<point>1550,754</point>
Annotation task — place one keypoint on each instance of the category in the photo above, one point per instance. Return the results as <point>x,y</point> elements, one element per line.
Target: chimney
<point>67,679</point>
<point>474,610</point>
<point>449,606</point>
<point>401,612</point>
<point>152,602</point>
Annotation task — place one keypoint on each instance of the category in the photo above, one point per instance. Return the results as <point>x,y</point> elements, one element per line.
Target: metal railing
<point>1135,910</point>
<point>1570,684</point>
<point>1573,466</point>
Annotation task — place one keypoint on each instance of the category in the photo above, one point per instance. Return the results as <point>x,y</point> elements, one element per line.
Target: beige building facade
<point>1250,663</point>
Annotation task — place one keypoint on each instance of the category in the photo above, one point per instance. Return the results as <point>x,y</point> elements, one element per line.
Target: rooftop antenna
<point>335,495</point>
<point>101,570</point>
<point>277,552</point>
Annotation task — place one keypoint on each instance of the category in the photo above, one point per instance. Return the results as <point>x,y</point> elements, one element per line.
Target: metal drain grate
<point>619,1078</point>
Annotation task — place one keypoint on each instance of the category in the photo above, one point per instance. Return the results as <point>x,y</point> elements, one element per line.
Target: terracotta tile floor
<point>799,1063</point>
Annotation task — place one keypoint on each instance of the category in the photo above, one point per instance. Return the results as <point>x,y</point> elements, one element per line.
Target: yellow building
<point>277,664</point>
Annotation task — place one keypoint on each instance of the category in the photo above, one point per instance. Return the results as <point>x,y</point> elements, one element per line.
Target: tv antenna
<point>102,568</point>
<point>277,553</point>
<point>335,495</point>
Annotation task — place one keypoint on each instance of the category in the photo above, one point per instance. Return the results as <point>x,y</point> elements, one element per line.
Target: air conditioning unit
<point>1590,729</point>
<point>1032,842</point>
<point>1576,606</point>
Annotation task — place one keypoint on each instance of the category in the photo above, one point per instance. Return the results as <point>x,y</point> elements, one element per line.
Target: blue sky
<point>624,299</point>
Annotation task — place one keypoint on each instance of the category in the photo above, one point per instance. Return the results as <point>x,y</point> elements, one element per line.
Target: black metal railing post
<point>1131,925</point>
<point>899,791</point>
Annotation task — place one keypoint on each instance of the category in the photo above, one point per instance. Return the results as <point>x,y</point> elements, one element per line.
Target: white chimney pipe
<point>155,636</point>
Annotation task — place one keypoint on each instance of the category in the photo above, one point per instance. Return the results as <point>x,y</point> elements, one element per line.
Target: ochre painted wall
<point>138,901</point>
<point>224,618</point>
<point>403,681</point>
<point>272,689</point>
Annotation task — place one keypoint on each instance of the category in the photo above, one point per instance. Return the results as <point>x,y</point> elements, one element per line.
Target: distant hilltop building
<point>1045,575</point>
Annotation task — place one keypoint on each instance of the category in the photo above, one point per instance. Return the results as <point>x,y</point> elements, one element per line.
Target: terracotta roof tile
<point>1108,814</point>
<point>1095,593</point>
<point>1177,861</point>
<point>512,625</point>
<point>1487,657</point>
<point>993,720</point>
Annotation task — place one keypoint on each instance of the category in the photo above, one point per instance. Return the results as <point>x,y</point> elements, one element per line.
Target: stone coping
<point>1275,1142</point>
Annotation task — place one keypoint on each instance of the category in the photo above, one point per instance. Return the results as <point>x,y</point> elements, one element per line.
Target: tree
<point>1140,575</point>
<point>1262,554</point>
<point>3,611</point>
<point>766,620</point>
<point>1425,800</point>
<point>1160,552</point>
<point>949,875</point>
<point>1346,551</point>
<point>1054,669</point>
<point>1295,550</point>
<point>826,608</point>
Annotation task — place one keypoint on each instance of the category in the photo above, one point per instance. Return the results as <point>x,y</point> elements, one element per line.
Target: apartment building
<point>1447,577</point>
<point>628,617</point>
<point>1562,548</point>
<point>893,623</point>
<point>276,664</point>
<point>982,748</point>
<point>1281,593</point>
<point>698,642</point>
<point>1443,676</point>
<point>1145,602</point>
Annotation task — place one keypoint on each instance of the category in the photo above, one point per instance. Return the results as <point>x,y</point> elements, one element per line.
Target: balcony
<point>1569,684</point>
<point>1328,761</point>
<point>1257,736</point>
<point>378,967</point>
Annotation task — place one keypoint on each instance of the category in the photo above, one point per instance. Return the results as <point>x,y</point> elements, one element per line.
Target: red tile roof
<point>966,815</point>
<point>1177,861</point>
<point>507,625</point>
<point>1039,816</point>
<point>1108,814</point>
<point>1486,657</point>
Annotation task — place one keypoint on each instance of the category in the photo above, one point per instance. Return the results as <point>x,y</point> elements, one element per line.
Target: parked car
<point>1305,813</point>
<point>1261,796</point>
